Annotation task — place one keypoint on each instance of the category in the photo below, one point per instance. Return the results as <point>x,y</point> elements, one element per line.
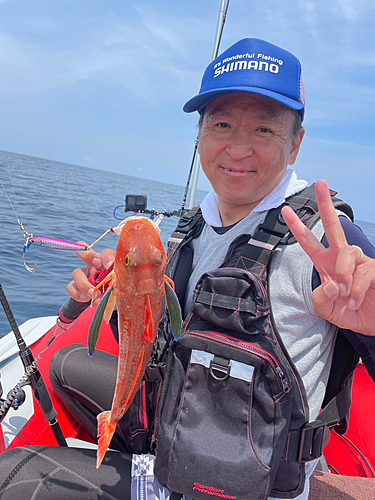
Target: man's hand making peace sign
<point>346,296</point>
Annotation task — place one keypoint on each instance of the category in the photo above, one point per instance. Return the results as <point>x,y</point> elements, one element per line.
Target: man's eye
<point>222,125</point>
<point>264,130</point>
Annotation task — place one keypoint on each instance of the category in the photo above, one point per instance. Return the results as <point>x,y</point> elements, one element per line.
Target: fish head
<point>140,256</point>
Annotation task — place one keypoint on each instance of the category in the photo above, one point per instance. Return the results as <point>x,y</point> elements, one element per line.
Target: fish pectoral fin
<point>174,309</point>
<point>149,322</point>
<point>97,322</point>
<point>107,279</point>
<point>111,304</point>
<point>167,279</point>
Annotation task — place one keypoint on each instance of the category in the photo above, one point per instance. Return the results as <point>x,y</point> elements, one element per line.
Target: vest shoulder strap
<point>274,231</point>
<point>180,254</point>
<point>186,223</point>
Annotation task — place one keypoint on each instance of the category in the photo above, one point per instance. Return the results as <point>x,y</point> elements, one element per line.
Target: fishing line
<point>10,202</point>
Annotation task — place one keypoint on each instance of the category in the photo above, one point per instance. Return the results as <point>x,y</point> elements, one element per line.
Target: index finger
<point>331,222</point>
<point>310,244</point>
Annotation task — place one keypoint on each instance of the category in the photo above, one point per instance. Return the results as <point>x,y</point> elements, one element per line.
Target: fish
<point>137,288</point>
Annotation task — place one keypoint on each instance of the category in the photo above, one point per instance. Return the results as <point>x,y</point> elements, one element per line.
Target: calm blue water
<point>67,202</point>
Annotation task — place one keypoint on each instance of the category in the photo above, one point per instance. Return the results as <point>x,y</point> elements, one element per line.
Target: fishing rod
<point>195,164</point>
<point>32,377</point>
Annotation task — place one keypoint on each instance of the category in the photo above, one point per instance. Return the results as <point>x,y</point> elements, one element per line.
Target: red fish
<point>138,292</point>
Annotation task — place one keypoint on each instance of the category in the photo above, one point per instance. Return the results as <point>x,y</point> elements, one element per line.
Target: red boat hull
<point>37,431</point>
<point>348,454</point>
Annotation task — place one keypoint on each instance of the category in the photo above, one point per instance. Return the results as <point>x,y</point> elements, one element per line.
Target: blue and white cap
<point>253,66</point>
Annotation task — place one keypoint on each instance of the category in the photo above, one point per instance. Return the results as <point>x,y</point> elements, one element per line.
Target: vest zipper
<point>143,406</point>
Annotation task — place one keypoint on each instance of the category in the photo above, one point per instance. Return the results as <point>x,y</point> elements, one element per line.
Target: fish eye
<point>127,260</point>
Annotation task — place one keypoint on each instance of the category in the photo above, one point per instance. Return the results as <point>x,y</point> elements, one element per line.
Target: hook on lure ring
<point>48,242</point>
<point>28,240</point>
<point>25,248</point>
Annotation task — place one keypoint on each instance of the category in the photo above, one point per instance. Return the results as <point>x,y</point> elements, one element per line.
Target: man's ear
<point>296,144</point>
<point>199,138</point>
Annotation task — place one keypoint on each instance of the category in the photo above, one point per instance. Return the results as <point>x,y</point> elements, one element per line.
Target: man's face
<point>246,143</point>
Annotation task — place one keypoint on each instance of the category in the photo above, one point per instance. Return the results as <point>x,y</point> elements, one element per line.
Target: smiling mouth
<point>237,172</point>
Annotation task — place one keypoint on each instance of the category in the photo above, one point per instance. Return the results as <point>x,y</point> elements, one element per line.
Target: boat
<point>351,455</point>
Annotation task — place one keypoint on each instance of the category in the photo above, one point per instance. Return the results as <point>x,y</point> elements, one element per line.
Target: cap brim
<point>200,101</point>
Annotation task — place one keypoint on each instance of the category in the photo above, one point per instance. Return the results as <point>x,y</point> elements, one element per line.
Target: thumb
<point>323,299</point>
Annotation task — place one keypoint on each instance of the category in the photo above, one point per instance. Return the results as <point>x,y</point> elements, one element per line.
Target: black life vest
<point>254,256</point>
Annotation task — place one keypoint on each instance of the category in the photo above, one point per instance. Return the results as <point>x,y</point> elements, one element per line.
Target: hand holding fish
<point>80,289</point>
<point>346,296</point>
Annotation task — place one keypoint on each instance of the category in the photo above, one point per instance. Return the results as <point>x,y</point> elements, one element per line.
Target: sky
<point>102,83</point>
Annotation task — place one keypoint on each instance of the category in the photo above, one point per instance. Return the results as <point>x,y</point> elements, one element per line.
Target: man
<point>252,105</point>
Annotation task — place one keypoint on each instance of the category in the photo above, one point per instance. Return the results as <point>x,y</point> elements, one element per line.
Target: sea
<point>71,203</point>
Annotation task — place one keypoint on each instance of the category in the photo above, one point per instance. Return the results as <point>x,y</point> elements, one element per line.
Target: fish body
<point>138,291</point>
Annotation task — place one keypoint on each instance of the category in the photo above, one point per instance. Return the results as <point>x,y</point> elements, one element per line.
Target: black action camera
<point>135,203</point>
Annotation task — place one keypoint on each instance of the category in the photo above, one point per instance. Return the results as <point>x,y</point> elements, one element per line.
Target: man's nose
<point>240,145</point>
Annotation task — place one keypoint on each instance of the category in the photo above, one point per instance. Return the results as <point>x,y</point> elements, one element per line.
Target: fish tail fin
<point>106,429</point>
